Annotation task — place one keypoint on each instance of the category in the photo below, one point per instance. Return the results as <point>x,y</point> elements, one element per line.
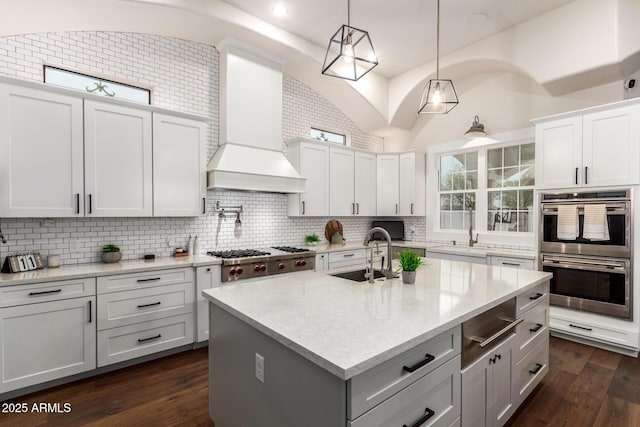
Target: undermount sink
<point>357,275</point>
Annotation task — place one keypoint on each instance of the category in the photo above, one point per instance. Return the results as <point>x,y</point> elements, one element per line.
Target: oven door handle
<point>611,207</point>
<point>586,266</point>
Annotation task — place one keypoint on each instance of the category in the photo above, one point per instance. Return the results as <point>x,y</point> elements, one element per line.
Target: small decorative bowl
<point>109,257</point>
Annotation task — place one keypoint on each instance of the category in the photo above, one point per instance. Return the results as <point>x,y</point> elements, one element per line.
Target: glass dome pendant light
<point>350,54</point>
<point>439,95</point>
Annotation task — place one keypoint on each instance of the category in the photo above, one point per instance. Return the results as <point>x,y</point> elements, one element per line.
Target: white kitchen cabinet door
<point>388,184</point>
<point>322,262</point>
<point>487,396</point>
<point>611,147</point>
<point>341,182</point>
<point>407,184</point>
<point>118,159</point>
<point>179,176</point>
<point>365,183</point>
<point>559,153</point>
<point>311,160</point>
<point>46,341</point>
<point>207,277</point>
<point>41,166</point>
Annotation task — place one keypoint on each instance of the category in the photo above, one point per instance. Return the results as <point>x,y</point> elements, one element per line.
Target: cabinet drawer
<point>533,329</point>
<point>129,307</point>
<point>529,371</point>
<point>528,300</point>
<point>379,383</point>
<point>48,291</point>
<point>346,256</point>
<point>594,332</point>
<point>437,393</point>
<point>355,263</point>
<point>128,342</point>
<point>526,264</point>
<point>124,282</point>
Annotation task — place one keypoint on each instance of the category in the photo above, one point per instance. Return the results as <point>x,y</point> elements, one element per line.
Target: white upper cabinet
<point>311,160</point>
<point>412,184</point>
<point>365,172</point>
<point>388,184</point>
<point>41,166</point>
<point>341,182</point>
<point>179,177</point>
<point>118,157</point>
<point>596,149</point>
<point>611,147</point>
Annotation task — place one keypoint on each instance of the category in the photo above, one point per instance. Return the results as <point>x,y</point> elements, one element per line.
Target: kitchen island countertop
<point>348,327</point>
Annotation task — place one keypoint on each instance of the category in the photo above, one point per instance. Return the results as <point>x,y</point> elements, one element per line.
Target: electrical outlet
<point>260,367</point>
<point>171,242</point>
<point>74,246</point>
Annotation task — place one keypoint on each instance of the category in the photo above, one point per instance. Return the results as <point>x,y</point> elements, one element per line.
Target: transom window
<point>86,83</point>
<point>325,135</point>
<point>458,185</point>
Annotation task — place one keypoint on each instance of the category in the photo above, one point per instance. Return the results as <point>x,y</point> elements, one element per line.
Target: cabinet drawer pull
<point>153,279</point>
<point>536,370</point>
<point>150,338</point>
<point>511,264</point>
<point>353,208</point>
<point>536,328</point>
<point>204,205</point>
<point>483,342</point>
<point>427,358</point>
<point>396,209</point>
<point>580,327</point>
<point>55,291</point>
<point>77,203</point>
<point>536,296</point>
<point>411,208</point>
<point>357,208</point>
<point>576,176</point>
<point>149,305</point>
<point>303,208</point>
<point>90,208</point>
<point>90,314</point>
<point>348,255</point>
<point>428,413</point>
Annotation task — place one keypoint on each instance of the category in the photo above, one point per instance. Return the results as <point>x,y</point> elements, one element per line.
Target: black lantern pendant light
<point>476,130</point>
<point>439,95</point>
<point>350,54</point>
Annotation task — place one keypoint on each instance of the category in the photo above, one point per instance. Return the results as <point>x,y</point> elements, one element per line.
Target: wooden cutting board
<point>332,227</point>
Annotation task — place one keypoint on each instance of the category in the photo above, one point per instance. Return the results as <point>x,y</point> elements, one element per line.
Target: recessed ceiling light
<point>279,10</point>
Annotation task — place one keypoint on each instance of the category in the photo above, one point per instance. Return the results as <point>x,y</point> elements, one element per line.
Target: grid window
<point>458,185</point>
<point>510,181</point>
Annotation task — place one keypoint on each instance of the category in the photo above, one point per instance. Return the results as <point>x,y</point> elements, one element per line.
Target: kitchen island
<point>313,349</point>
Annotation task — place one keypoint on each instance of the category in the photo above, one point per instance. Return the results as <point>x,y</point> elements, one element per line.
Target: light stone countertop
<point>348,327</point>
<point>515,253</point>
<point>66,272</point>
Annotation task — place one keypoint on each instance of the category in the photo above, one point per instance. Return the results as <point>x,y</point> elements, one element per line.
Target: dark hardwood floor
<point>585,386</point>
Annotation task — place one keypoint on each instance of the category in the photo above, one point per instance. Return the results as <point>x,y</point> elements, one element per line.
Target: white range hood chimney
<point>250,157</point>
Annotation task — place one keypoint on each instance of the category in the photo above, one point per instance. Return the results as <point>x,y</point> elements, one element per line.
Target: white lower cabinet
<point>207,277</point>
<point>433,400</point>
<point>487,397</point>
<point>322,262</point>
<point>513,262</point>
<point>45,341</point>
<point>342,259</point>
<point>144,313</point>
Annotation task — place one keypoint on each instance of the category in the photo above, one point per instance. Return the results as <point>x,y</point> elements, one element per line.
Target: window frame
<point>344,134</point>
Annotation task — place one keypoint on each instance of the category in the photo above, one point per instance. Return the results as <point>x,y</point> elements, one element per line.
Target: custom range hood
<point>250,157</point>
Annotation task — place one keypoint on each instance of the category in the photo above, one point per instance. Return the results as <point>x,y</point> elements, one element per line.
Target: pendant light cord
<point>438,40</point>
<point>348,13</point>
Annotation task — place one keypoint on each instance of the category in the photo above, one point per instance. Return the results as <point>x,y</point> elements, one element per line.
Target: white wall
<point>183,76</point>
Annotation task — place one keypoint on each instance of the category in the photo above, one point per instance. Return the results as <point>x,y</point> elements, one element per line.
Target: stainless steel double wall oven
<point>590,275</point>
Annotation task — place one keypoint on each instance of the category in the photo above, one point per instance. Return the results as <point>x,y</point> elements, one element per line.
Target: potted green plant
<point>409,261</point>
<point>312,239</point>
<point>111,253</point>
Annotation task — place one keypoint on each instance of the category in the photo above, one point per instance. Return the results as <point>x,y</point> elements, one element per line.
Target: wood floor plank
<point>569,356</point>
<point>616,412</point>
<point>585,395</point>
<point>626,383</point>
<point>606,359</point>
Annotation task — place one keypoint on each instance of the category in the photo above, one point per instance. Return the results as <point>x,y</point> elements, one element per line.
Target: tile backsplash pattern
<point>177,71</point>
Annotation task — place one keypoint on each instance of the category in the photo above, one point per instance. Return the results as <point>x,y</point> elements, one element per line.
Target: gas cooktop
<point>238,253</point>
<point>240,264</point>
